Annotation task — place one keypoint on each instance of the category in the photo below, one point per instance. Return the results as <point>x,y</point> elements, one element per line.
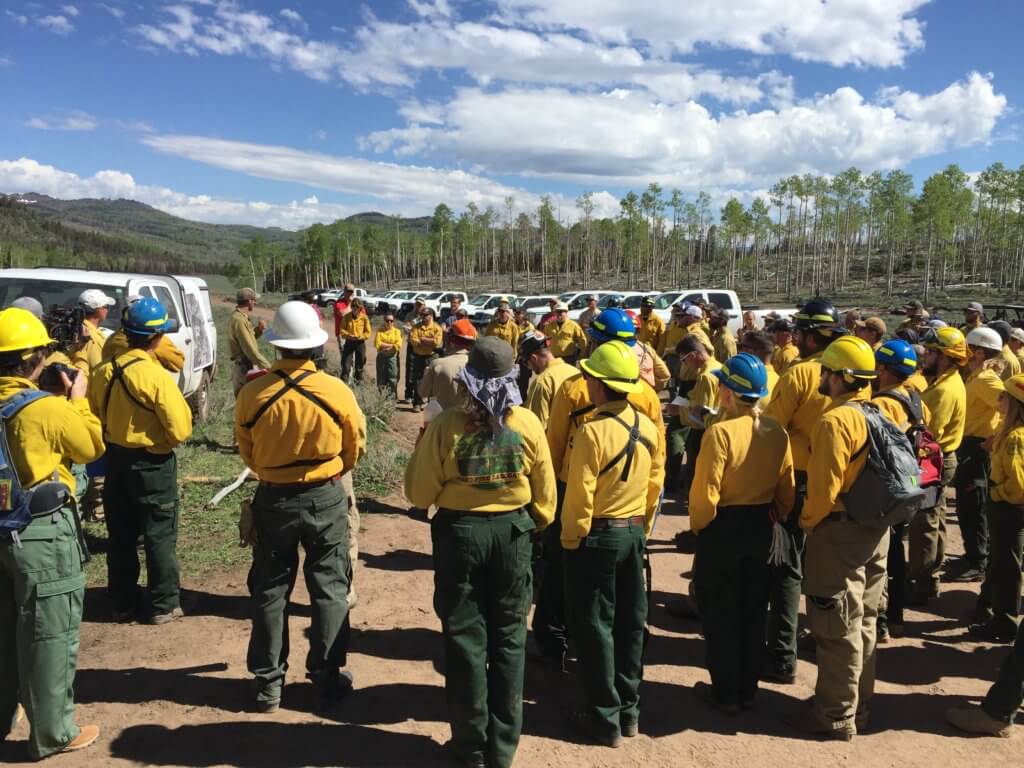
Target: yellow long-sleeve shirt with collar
<point>426,338</point>
<point>947,400</point>
<point>507,332</point>
<point>242,341</point>
<point>652,330</point>
<point>153,416</point>
<point>1007,478</point>
<point>688,372</point>
<point>567,338</point>
<point>783,357</point>
<point>653,369</point>
<point>544,387</point>
<point>983,388</point>
<point>759,464</point>
<point>457,468</point>
<point>916,382</point>
<point>388,337</point>
<point>355,327</point>
<point>838,435</point>
<point>724,343</point>
<point>166,352</point>
<point>772,381</point>
<point>705,392</point>
<point>1012,367</point>
<point>295,429</point>
<point>90,354</point>
<point>797,406</point>
<point>674,333</point>
<point>592,494</point>
<point>571,408</point>
<point>895,411</point>
<point>50,435</point>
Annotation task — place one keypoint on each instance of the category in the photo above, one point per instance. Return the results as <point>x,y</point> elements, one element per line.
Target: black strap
<point>860,407</point>
<point>911,405</point>
<point>581,412</point>
<point>291,384</point>
<point>629,449</point>
<point>118,377</point>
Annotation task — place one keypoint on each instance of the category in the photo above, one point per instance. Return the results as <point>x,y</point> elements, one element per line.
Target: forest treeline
<point>809,234</point>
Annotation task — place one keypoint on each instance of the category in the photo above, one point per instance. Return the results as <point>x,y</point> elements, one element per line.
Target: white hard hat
<point>94,298</point>
<point>985,338</point>
<point>30,304</point>
<point>296,326</point>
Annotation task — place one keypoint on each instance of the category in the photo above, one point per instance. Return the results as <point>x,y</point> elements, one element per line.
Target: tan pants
<point>238,373</point>
<point>353,534</point>
<point>928,539</point>
<point>844,575</point>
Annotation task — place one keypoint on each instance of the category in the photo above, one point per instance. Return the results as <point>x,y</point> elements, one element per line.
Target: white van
<point>187,300</point>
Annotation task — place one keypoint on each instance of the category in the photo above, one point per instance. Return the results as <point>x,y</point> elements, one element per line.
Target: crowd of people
<point>547,455</point>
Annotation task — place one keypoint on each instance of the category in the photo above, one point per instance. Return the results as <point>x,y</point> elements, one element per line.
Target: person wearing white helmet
<point>300,430</point>
<point>96,304</point>
<point>984,385</point>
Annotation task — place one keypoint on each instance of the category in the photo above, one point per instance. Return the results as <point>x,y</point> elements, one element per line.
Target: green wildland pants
<point>316,517</point>
<point>786,582</point>
<point>482,592</point>
<point>607,608</point>
<point>387,373</point>
<point>1007,693</point>
<point>549,630</point>
<point>971,481</point>
<point>844,578</point>
<point>676,434</point>
<point>140,497</point>
<point>928,540</point>
<point>42,587</point>
<point>733,583</point>
<point>999,600</point>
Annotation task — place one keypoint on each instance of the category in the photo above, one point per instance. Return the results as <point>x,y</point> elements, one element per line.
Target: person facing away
<point>300,430</point>
<point>487,468</point>
<point>440,381</point>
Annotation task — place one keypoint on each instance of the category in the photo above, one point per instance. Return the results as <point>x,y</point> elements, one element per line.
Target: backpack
<point>888,491</point>
<point>18,505</point>
<point>929,452</point>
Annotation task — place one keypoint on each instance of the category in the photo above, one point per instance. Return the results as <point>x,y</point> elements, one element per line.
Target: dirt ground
<point>177,695</point>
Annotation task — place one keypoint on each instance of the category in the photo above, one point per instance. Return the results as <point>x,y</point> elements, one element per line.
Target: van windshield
<point>666,299</point>
<point>52,293</point>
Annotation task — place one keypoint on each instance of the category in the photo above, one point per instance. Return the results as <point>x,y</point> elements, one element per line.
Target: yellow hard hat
<point>615,365</point>
<point>852,357</point>
<point>21,330</point>
<point>949,341</point>
<point>1015,387</point>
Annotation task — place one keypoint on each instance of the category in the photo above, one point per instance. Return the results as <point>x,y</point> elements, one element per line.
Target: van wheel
<point>200,400</point>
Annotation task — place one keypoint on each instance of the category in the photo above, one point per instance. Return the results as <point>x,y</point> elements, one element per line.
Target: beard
<point>824,386</point>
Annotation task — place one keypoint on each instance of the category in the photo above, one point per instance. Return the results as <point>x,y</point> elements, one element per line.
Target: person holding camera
<point>145,417</point>
<point>42,584</point>
<point>96,304</point>
<point>242,337</point>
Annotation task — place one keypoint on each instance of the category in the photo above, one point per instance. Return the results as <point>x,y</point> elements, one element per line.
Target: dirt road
<point>177,694</point>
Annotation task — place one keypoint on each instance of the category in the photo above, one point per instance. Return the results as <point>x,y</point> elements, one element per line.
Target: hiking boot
<point>971,575</point>
<point>124,617</point>
<point>991,632</point>
<point>778,675</point>
<point>882,634</point>
<point>588,726</point>
<point>629,730</point>
<point>156,619</point>
<point>266,706</point>
<point>682,608</point>
<point>470,760</point>
<point>86,737</point>
<point>897,629</point>
<point>706,693</point>
<point>977,720</point>
<point>335,692</point>
<point>816,730</point>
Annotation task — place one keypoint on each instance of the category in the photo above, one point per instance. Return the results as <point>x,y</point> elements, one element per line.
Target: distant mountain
<point>419,225</point>
<point>127,218</point>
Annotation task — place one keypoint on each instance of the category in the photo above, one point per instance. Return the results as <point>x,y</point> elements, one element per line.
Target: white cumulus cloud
<point>59,25</point>
<point>70,10</point>
<point>74,121</point>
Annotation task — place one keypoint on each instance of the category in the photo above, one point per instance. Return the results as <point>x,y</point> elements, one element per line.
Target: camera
<point>64,325</point>
<point>50,380</point>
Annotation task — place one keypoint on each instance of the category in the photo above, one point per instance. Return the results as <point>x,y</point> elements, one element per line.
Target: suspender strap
<point>629,449</point>
<point>291,384</point>
<point>580,412</point>
<point>118,377</point>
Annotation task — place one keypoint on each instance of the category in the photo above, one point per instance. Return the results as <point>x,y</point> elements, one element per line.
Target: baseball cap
<point>30,304</point>
<point>876,324</point>
<point>782,325</point>
<point>693,311</point>
<point>1017,334</point>
<point>349,288</point>
<point>490,358</point>
<point>915,304</point>
<point>532,342</point>
<point>463,329</point>
<point>647,301</point>
<point>419,300</point>
<point>94,298</point>
<point>246,294</point>
<point>974,306</point>
<point>561,307</point>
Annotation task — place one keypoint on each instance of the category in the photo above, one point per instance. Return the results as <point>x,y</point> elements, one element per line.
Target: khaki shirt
<point>439,380</point>
<point>242,341</point>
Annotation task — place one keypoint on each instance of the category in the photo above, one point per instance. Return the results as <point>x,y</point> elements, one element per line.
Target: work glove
<point>246,525</point>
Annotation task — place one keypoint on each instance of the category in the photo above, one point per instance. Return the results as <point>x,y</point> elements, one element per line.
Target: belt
<point>473,513</point>
<point>601,523</point>
<point>841,515</point>
<point>299,486</point>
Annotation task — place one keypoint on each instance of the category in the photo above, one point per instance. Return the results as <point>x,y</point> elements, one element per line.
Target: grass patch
<point>208,538</point>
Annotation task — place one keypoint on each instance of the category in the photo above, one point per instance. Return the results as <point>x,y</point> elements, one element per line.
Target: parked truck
<point>187,300</point>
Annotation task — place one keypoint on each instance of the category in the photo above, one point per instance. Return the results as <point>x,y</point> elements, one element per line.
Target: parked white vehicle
<point>759,314</point>
<point>574,300</point>
<point>187,300</point>
<point>334,294</point>
<point>579,304</point>
<point>443,300</point>
<point>393,302</point>
<point>727,300</point>
<point>486,301</point>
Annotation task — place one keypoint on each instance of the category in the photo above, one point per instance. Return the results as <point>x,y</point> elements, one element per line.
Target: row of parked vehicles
<point>481,307</point>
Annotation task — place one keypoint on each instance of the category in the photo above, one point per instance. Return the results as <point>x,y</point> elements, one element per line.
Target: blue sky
<point>288,113</point>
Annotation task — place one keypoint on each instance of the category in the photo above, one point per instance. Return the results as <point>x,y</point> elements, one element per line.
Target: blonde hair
<point>1014,417</point>
<point>737,406</point>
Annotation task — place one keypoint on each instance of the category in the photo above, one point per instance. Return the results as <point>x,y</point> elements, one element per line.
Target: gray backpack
<point>888,491</point>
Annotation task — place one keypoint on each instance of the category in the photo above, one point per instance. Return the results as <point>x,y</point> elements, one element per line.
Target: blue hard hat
<point>146,317</point>
<point>745,375</point>
<point>613,325</point>
<point>898,355</point>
